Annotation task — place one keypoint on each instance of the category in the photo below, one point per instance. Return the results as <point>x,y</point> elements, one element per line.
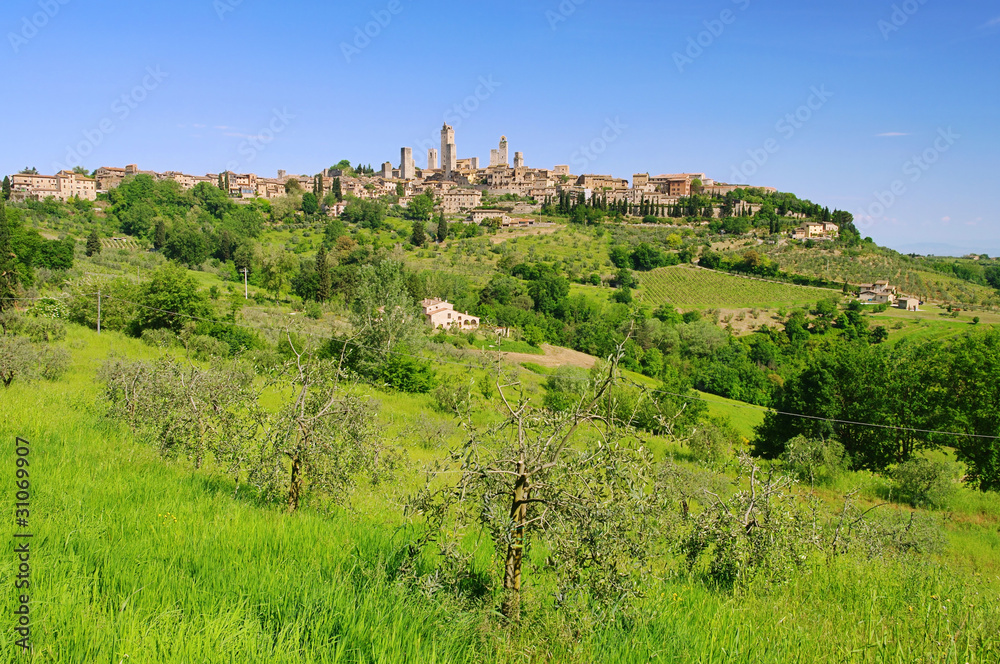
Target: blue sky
<point>886,109</point>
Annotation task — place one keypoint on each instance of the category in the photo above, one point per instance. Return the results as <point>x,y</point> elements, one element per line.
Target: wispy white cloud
<point>222,127</point>
<point>994,23</point>
<point>892,134</point>
<point>198,126</point>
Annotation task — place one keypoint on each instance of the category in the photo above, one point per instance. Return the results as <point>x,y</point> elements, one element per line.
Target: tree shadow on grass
<point>220,485</point>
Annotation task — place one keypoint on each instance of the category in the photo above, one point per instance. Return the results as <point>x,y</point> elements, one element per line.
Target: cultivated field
<point>911,278</point>
<point>693,288</point>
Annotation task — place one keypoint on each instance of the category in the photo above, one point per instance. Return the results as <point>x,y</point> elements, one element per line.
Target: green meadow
<point>140,559</point>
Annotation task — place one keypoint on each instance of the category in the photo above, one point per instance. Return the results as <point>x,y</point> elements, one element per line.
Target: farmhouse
<point>908,303</point>
<point>880,292</point>
<point>442,314</point>
<point>479,216</point>
<point>815,230</point>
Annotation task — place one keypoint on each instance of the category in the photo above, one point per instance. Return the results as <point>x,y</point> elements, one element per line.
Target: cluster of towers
<point>449,158</point>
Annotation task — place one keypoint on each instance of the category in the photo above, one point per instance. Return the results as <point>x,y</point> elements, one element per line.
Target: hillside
<point>163,564</point>
<point>689,288</point>
<point>310,473</point>
<point>911,276</point>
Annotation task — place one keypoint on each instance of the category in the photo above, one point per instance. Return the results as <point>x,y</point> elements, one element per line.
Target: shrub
<point>406,374</point>
<point>565,388</point>
<point>313,310</point>
<point>203,347</point>
<point>923,483</point>
<point>50,307</point>
<point>454,396</point>
<point>713,441</point>
<point>22,360</point>
<point>159,338</point>
<point>238,339</point>
<point>813,460</point>
<point>36,329</point>
<point>52,362</point>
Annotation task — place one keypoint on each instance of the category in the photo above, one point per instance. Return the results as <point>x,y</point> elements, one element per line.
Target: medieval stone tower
<point>407,171</point>
<point>449,153</point>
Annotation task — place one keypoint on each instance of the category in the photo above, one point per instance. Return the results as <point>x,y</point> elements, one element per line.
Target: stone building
<point>432,159</point>
<point>441,314</point>
<point>449,151</point>
<point>61,186</point>
<point>407,170</point>
<point>109,177</point>
<point>457,200</point>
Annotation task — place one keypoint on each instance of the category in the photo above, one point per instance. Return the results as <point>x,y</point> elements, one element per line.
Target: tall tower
<point>387,170</point>
<point>494,157</point>
<point>432,159</point>
<point>504,161</point>
<point>518,160</point>
<point>407,171</point>
<point>449,158</point>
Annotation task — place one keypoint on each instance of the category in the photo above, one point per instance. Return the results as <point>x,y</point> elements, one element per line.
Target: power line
<point>820,419</point>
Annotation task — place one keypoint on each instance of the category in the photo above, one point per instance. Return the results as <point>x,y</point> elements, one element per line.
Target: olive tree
<point>322,438</point>
<point>577,482</point>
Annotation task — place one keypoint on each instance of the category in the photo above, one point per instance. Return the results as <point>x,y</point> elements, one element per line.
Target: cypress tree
<point>160,235</point>
<point>324,283</point>
<point>337,190</point>
<point>6,188</point>
<point>8,262</point>
<point>93,243</point>
<point>419,236</point>
<point>442,229</point>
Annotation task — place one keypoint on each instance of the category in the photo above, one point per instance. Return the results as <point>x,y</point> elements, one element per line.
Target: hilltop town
<point>459,184</point>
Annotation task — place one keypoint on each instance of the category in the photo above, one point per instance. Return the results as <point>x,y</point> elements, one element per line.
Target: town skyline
<point>841,116</point>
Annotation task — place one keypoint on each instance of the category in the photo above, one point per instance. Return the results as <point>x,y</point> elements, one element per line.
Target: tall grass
<point>140,560</point>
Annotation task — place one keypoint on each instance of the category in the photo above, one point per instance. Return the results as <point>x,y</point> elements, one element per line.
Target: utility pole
<point>246,291</point>
<point>98,311</point>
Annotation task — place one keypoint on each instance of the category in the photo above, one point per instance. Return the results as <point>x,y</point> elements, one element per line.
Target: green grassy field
<point>137,559</point>
<point>932,322</point>
<point>693,288</point>
<point>743,417</point>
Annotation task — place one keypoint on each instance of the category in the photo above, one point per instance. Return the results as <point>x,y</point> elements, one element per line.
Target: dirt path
<point>554,357</point>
